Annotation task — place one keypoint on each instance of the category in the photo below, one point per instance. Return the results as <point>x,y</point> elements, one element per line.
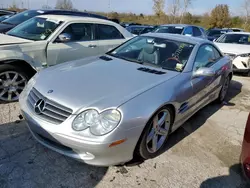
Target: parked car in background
<point>237,46</point>
<point>235,29</point>
<point>2,18</point>
<point>126,24</point>
<point>138,29</point>
<point>97,113</point>
<point>48,40</point>
<point>19,18</point>
<point>4,12</point>
<point>245,153</point>
<point>182,29</point>
<point>148,29</point>
<point>215,33</point>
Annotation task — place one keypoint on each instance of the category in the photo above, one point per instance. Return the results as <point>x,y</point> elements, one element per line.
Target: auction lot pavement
<point>203,153</point>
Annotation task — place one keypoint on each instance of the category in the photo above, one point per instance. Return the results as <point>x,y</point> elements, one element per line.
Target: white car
<point>237,46</point>
<point>48,40</point>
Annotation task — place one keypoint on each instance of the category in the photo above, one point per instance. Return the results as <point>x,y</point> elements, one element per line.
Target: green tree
<point>187,18</point>
<point>220,17</point>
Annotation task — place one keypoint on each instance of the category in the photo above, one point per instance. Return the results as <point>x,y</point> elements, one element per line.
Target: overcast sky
<point>135,6</point>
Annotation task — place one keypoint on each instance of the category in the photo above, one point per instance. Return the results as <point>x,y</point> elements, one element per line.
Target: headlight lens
<point>99,124</point>
<point>29,86</point>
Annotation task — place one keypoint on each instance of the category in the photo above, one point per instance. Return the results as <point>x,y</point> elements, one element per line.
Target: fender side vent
<point>152,71</point>
<point>106,58</point>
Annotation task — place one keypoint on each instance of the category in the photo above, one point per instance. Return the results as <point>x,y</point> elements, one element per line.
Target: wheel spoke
<point>162,132</point>
<point>19,87</point>
<point>155,122</point>
<point>162,120</point>
<point>20,82</point>
<point>7,75</point>
<point>154,143</point>
<point>16,93</point>
<point>9,96</point>
<point>150,136</point>
<point>15,77</point>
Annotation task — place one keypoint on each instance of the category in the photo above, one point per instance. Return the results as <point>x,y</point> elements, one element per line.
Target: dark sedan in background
<point>213,34</point>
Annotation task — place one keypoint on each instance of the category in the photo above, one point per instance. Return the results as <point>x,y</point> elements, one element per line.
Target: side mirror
<point>64,37</point>
<point>204,72</point>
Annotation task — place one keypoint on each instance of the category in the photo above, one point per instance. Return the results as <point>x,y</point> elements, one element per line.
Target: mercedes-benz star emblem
<point>39,106</point>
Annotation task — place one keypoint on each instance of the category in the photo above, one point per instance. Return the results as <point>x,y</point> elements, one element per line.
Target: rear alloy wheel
<point>156,133</point>
<point>224,90</point>
<point>12,83</point>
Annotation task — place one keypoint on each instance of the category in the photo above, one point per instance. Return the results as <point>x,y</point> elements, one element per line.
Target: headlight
<point>98,123</point>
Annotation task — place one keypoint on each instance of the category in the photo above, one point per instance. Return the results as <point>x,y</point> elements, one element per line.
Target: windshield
<point>167,54</point>
<point>21,17</point>
<point>35,29</point>
<point>234,38</point>
<point>169,29</point>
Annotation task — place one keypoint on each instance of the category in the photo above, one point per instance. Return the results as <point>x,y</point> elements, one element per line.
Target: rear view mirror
<point>204,72</point>
<point>64,37</point>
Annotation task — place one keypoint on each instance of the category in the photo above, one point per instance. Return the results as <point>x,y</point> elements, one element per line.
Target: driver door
<point>204,86</point>
<point>80,45</point>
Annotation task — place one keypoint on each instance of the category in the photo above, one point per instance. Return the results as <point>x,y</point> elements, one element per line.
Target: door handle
<point>92,46</point>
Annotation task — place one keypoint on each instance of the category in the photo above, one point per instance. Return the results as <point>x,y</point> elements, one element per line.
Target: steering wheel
<point>172,62</point>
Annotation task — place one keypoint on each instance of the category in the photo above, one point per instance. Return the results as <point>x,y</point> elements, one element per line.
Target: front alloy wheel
<point>155,134</point>
<point>12,84</point>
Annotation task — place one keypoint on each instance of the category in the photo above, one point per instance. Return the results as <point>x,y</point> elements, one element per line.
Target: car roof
<point>66,18</point>
<point>68,12</point>
<point>242,33</point>
<point>178,25</point>
<point>180,38</point>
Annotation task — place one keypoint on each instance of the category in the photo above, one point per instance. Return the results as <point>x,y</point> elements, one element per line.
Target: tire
<point>224,90</point>
<point>145,147</point>
<point>12,82</point>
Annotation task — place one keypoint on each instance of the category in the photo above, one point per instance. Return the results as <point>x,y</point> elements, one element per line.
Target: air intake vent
<point>152,71</point>
<point>106,58</point>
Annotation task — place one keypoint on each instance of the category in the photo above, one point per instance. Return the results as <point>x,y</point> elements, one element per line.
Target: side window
<point>107,32</point>
<point>196,32</point>
<point>217,54</point>
<point>80,31</point>
<point>205,57</point>
<point>188,31</point>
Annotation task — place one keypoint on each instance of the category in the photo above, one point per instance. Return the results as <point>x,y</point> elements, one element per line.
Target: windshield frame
<point>30,20</point>
<point>10,22</point>
<point>110,53</point>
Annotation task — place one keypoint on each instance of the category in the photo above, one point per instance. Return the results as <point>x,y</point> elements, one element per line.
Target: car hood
<point>233,48</point>
<point>5,27</point>
<point>96,83</point>
<point>7,40</point>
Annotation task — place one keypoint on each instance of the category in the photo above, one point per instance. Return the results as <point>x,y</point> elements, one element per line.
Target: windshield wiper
<point>7,23</point>
<point>126,59</point>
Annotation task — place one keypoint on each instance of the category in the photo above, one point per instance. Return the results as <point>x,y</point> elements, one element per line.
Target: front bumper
<point>90,151</point>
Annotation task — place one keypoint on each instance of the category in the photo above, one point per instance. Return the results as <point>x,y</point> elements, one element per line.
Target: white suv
<point>48,40</point>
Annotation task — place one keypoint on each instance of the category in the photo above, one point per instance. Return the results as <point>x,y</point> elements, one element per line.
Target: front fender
<point>11,55</point>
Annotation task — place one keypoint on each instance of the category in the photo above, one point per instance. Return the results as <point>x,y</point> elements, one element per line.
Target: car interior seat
<point>149,54</point>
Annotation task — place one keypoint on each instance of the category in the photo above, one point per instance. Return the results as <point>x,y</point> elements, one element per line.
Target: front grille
<point>52,111</point>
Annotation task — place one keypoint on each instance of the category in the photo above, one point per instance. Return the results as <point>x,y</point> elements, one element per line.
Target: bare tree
<point>186,4</point>
<point>159,6</point>
<point>175,10</point>
<point>246,8</point>
<point>64,4</point>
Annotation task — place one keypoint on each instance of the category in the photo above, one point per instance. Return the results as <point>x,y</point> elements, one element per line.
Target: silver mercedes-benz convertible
<point>105,110</point>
